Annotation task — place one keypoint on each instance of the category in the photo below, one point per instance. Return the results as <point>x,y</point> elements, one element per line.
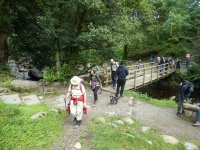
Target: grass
<point>127,137</point>
<point>153,101</point>
<point>19,132</point>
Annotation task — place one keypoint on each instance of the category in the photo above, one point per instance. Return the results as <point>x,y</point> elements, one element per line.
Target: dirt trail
<point>163,119</point>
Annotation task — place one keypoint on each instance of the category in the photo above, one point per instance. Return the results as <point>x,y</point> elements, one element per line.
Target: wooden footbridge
<point>142,75</point>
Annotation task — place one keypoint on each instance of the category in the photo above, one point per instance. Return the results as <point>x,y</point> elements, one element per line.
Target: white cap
<point>75,80</point>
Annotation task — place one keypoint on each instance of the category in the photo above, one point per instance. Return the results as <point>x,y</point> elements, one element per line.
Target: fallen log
<point>191,107</point>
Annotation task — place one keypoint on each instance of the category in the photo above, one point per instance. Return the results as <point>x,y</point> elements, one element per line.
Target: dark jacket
<point>122,72</point>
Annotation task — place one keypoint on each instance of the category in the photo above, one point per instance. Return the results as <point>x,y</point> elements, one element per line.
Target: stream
<point>163,90</point>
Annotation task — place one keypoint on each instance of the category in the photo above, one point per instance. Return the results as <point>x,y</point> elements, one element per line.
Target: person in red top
<point>77,94</point>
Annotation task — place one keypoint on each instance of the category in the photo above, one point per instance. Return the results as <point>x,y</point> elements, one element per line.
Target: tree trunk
<point>58,57</point>
<point>3,47</point>
<point>125,51</point>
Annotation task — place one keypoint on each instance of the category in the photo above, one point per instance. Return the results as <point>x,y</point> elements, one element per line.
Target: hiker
<point>138,64</point>
<point>121,73</point>
<point>113,65</point>
<point>185,90</point>
<point>95,83</point>
<point>188,57</point>
<point>197,123</point>
<point>158,60</point>
<point>151,60</point>
<point>77,94</point>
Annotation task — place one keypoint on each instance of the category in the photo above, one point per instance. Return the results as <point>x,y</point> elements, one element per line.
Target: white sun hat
<point>112,60</point>
<point>75,80</point>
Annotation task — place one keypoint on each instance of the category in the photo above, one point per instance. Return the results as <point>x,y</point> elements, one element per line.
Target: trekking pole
<point>65,104</point>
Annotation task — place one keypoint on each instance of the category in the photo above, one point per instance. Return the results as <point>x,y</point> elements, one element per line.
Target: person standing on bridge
<point>113,66</point>
<point>121,73</point>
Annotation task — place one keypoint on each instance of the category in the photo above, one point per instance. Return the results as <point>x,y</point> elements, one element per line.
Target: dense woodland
<point>62,33</point>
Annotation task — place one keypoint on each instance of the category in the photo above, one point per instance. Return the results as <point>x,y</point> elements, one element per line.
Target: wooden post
<point>144,76</point>
<point>135,79</point>
<point>151,74</point>
<point>106,78</point>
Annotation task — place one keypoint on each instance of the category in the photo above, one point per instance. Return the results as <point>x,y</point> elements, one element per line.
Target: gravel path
<point>163,119</point>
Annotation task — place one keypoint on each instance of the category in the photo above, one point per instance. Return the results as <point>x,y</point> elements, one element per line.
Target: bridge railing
<point>146,70</point>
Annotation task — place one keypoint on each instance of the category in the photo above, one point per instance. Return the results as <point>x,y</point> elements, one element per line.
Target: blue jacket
<point>122,72</point>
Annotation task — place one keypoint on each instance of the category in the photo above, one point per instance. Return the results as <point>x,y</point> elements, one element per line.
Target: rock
<point>35,74</point>
<point>79,67</point>
<point>111,114</point>
<point>128,120</point>
<point>130,111</point>
<point>77,145</point>
<point>59,101</point>
<point>113,124</point>
<point>190,146</point>
<point>89,65</point>
<point>54,110</point>
<point>56,83</point>
<point>118,122</point>
<point>38,115</point>
<point>173,98</point>
<point>4,91</point>
<point>145,129</point>
<point>23,85</point>
<point>30,100</point>
<point>102,119</point>
<point>170,139</point>
<point>130,102</point>
<point>41,97</point>
<point>11,99</point>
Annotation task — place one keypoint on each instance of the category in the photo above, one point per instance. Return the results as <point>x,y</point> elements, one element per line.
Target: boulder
<point>113,124</point>
<point>118,122</point>
<point>35,74</point>
<point>79,67</point>
<point>190,146</point>
<point>77,145</point>
<point>11,99</point>
<point>30,100</point>
<point>38,115</point>
<point>23,85</point>
<point>4,91</point>
<point>170,139</point>
<point>173,98</point>
<point>102,119</point>
<point>128,120</point>
<point>54,110</point>
<point>145,129</point>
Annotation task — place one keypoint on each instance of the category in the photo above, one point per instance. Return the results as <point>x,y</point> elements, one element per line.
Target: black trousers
<point>95,90</point>
<point>120,84</point>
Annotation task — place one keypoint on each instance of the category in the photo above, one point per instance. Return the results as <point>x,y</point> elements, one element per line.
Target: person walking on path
<point>77,99</point>
<point>95,83</point>
<point>185,90</point>
<point>113,65</point>
<point>121,73</point>
<point>197,123</point>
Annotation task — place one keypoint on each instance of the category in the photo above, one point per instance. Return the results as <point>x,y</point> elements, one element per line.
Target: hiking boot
<point>178,114</point>
<point>196,124</point>
<point>78,123</point>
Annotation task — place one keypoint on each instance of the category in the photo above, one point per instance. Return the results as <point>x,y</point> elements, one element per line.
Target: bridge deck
<point>143,76</point>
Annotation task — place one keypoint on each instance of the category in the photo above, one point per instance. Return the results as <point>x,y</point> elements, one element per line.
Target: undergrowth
<point>19,132</point>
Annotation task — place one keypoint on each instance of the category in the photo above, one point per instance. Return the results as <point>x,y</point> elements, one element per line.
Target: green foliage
<point>90,56</point>
<point>20,133</point>
<point>126,137</point>
<point>143,97</point>
<point>5,75</point>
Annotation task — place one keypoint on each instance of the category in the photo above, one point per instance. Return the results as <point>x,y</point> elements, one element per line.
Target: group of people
<point>77,94</point>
